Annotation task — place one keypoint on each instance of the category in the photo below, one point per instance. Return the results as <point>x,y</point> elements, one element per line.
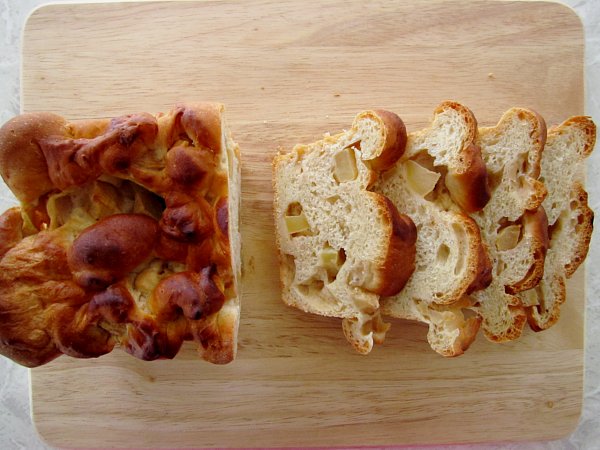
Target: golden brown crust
<point>538,317</point>
<point>583,229</point>
<point>587,127</point>
<point>467,334</point>
<point>467,181</point>
<point>130,243</point>
<point>394,141</point>
<point>540,134</point>
<point>399,263</point>
<point>480,265</point>
<point>514,330</point>
<point>11,229</point>
<point>21,158</point>
<point>468,185</point>
<point>535,226</point>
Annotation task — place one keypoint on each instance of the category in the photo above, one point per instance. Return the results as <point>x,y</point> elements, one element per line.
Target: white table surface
<point>16,428</point>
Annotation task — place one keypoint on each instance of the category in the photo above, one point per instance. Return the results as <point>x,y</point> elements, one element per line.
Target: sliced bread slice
<point>514,232</point>
<point>570,220</point>
<point>512,224</point>
<point>441,164</point>
<point>342,246</point>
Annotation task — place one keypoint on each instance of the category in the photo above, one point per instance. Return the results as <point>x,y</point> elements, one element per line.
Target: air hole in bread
<point>333,199</point>
<point>294,209</point>
<point>311,287</point>
<point>494,180</point>
<point>539,293</point>
<point>460,257</point>
<point>500,266</point>
<point>525,166</point>
<point>574,204</point>
<point>468,313</point>
<point>423,158</point>
<point>529,297</point>
<point>361,275</point>
<point>508,234</point>
<point>443,254</point>
<point>289,268</point>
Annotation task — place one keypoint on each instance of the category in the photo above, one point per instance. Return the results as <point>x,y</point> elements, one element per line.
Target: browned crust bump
<point>467,182</point>
<point>535,225</point>
<point>480,266</point>
<point>399,262</point>
<point>21,158</point>
<point>394,140</point>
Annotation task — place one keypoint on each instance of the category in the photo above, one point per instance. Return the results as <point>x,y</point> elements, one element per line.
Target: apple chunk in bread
<point>127,236</point>
<point>341,245</point>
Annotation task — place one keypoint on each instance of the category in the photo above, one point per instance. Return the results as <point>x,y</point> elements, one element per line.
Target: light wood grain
<point>288,72</point>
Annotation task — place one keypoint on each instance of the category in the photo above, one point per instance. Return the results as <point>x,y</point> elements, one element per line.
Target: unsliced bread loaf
<point>342,246</point>
<point>441,163</point>
<point>126,236</point>
<point>570,220</point>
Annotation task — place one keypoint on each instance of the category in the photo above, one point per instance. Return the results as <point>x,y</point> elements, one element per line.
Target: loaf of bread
<point>342,246</point>
<point>570,219</point>
<point>441,175</point>
<point>126,236</point>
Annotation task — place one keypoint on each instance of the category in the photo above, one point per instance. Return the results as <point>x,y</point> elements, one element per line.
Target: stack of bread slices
<point>463,228</point>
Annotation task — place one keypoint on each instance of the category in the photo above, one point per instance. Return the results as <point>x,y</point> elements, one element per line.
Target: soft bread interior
<point>333,234</point>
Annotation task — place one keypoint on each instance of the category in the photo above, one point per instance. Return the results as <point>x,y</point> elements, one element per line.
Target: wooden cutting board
<point>288,72</point>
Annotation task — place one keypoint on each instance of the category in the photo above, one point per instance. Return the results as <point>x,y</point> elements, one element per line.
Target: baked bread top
<point>127,235</point>
<point>342,246</point>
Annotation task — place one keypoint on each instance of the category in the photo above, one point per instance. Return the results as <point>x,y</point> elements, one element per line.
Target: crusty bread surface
<point>127,236</point>
<point>342,246</point>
